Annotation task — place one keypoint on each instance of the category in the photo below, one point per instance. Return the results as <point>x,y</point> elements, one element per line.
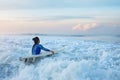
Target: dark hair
<point>36,40</point>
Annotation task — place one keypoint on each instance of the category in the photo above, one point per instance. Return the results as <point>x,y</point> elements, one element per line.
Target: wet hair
<point>36,40</point>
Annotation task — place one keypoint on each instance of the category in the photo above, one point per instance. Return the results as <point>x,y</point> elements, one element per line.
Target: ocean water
<point>76,58</point>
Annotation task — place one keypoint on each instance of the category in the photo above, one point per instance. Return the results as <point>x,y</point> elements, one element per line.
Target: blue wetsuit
<point>37,49</point>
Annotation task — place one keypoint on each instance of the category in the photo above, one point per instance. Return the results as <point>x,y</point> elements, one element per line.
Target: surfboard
<point>34,58</point>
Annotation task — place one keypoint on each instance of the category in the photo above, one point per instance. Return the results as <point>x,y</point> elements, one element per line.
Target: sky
<point>60,17</point>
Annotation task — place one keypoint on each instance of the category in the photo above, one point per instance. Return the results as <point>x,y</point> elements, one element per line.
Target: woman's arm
<point>45,49</point>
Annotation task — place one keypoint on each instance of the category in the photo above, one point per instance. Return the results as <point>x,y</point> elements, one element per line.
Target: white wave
<point>78,60</point>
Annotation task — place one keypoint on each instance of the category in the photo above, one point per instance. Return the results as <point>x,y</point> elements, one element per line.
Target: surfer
<point>37,47</point>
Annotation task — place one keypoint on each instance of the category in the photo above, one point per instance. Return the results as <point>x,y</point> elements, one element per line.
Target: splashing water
<point>79,59</point>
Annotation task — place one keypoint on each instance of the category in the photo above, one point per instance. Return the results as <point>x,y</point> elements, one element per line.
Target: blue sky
<point>60,17</point>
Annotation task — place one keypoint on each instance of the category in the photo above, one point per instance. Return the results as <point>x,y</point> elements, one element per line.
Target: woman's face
<point>38,41</point>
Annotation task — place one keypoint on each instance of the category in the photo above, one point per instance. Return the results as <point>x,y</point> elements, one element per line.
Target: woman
<point>37,47</point>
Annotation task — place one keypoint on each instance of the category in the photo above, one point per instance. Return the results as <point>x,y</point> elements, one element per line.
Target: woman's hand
<point>52,52</point>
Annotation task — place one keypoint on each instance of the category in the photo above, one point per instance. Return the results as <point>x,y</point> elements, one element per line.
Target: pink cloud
<point>84,27</point>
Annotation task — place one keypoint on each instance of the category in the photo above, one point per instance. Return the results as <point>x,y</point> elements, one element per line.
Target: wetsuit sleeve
<point>45,49</point>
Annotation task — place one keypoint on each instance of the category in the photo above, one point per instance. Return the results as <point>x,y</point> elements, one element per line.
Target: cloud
<point>70,17</point>
<point>84,27</point>
<point>49,18</point>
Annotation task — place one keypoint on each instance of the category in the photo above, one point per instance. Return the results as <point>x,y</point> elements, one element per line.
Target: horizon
<point>47,34</point>
<point>93,17</point>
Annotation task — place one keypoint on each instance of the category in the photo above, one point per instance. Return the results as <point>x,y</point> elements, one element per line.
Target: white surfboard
<point>34,58</point>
